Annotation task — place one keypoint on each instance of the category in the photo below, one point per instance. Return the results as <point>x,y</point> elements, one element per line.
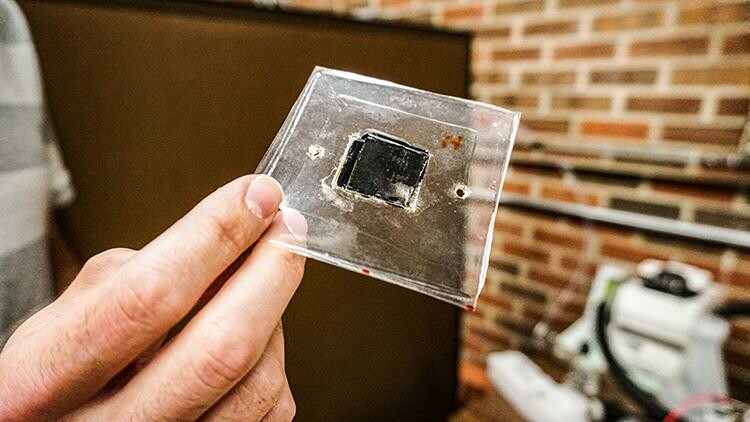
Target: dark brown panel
<point>157,105</point>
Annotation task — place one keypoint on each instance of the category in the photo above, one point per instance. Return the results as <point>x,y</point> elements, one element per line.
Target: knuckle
<point>270,378</point>
<point>139,298</point>
<point>226,232</point>
<point>224,361</point>
<point>258,393</point>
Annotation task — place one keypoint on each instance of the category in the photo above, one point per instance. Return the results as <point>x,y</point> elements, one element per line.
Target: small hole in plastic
<point>462,192</point>
<point>315,151</point>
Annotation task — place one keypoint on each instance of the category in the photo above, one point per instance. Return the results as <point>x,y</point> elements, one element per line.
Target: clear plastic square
<point>395,182</point>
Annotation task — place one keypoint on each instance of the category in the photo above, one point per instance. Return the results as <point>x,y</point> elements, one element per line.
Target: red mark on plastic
<point>365,271</point>
<point>471,308</point>
<point>453,141</point>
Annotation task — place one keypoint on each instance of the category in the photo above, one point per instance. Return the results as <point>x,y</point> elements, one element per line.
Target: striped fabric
<point>32,177</point>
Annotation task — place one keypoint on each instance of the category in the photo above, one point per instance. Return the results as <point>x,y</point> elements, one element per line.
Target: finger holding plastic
<point>225,340</point>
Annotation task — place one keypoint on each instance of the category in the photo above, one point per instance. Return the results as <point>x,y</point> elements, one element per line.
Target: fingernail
<point>295,222</point>
<point>264,196</point>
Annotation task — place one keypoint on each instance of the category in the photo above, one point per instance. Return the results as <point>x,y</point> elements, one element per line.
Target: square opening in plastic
<point>377,165</point>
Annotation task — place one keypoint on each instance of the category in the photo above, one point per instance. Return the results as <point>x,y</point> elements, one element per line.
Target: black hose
<point>646,401</point>
<point>733,310</point>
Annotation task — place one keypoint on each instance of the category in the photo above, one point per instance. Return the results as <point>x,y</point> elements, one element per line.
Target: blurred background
<point>635,144</point>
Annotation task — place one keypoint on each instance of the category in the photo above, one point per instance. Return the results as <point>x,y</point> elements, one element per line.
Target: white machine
<point>656,333</point>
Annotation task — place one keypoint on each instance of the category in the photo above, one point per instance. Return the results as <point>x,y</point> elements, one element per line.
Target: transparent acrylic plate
<point>396,183</point>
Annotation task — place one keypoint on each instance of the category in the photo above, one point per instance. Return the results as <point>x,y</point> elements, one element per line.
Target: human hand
<point>96,352</point>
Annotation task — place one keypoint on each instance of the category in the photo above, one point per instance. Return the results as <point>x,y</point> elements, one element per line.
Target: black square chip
<point>384,167</point>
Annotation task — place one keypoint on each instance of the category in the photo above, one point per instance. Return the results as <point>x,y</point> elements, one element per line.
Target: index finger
<point>167,277</point>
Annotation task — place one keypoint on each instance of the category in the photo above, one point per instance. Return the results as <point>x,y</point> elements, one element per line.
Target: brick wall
<point>606,87</point>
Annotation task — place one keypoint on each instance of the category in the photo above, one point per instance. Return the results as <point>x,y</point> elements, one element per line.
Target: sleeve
<point>62,192</point>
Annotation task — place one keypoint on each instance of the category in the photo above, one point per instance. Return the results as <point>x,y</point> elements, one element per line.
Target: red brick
<point>648,207</point>
<point>473,375</point>
<point>615,129</point>
<point>714,75</point>
<point>550,278</point>
<point>737,358</point>
<point>524,292</point>
<point>722,217</point>
<point>495,339</point>
<point>313,4</point>
<point>734,106</point>
<point>737,44</point>
<point>516,187</point>
<point>479,55</point>
<point>702,135</point>
<point>580,102</point>
<point>740,332</point>
<point>511,101</point>
<point>579,264</point>
<point>536,217</point>
<point>548,78</point>
<point>665,105</point>
<point>625,77</point>
<point>559,237</point>
<point>615,233</point>
<point>526,252</point>
<point>508,228</point>
<point>471,342</point>
<point>743,258</point>
<point>417,16</point>
<point>521,6</point>
<point>542,125</point>
<point>737,276</point>
<point>393,3</point>
<point>515,54</point>
<point>619,179</point>
<point>497,32</point>
<point>497,302</point>
<point>536,171</point>
<point>710,193</point>
<point>551,27</point>
<point>532,315</point>
<point>629,21</point>
<point>671,47</point>
<point>515,325</point>
<point>559,322</point>
<point>574,306</point>
<point>579,3</point>
<point>716,13</point>
<point>495,77</point>
<point>632,253</point>
<point>585,51</point>
<point>739,386</point>
<point>705,262</point>
<point>473,11</point>
<point>560,193</point>
<point>504,266</point>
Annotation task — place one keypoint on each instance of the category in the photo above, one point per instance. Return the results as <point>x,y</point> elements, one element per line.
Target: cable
<point>646,401</point>
<point>733,310</point>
